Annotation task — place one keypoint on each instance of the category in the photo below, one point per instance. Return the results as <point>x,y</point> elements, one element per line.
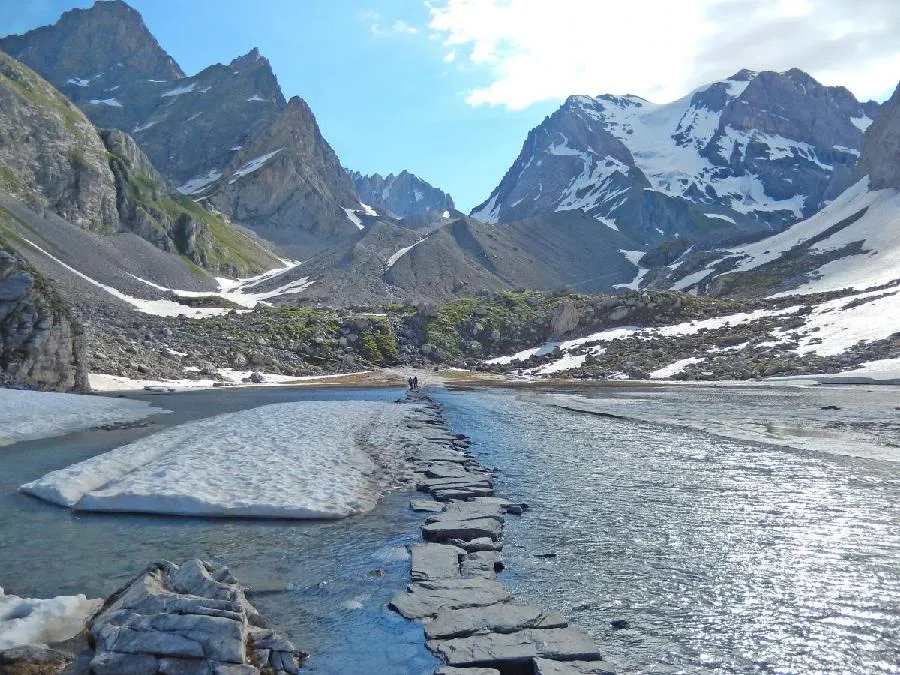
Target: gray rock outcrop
<point>41,341</point>
<point>880,158</point>
<point>192,618</point>
<point>401,195</point>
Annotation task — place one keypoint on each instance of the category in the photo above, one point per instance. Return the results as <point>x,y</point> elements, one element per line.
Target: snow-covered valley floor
<point>315,459</point>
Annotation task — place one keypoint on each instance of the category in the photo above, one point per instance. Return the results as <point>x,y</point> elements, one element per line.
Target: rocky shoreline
<point>471,621</point>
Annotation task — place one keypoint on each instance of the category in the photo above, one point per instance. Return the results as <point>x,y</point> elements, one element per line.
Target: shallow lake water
<point>725,552</point>
<point>722,555</point>
<point>312,579</point>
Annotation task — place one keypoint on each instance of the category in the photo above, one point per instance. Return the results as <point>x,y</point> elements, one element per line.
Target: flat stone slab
<point>481,564</point>
<point>564,644</point>
<point>503,618</point>
<point>450,670</point>
<point>444,530</point>
<point>470,510</point>
<point>464,479</point>
<point>477,544</point>
<point>426,598</point>
<point>435,561</point>
<point>447,494</point>
<point>426,505</point>
<point>548,667</point>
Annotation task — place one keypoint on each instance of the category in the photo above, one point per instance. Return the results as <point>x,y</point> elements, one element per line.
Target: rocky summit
<point>753,152</point>
<point>402,195</point>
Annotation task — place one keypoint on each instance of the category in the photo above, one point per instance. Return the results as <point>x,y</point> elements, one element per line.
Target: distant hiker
<point>415,382</point>
<point>410,381</point>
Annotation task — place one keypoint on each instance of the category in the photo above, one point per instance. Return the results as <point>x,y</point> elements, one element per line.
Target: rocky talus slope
<point>41,342</point>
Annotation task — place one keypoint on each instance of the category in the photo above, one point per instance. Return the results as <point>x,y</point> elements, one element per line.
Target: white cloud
<point>449,57</point>
<point>397,27</point>
<point>535,50</point>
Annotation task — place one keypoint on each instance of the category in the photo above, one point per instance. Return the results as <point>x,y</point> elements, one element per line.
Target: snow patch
<point>39,622</point>
<point>674,368</point>
<point>178,91</point>
<point>28,415</point>
<point>197,184</point>
<point>256,97</point>
<point>353,218</point>
<point>861,123</point>
<point>105,101</point>
<point>253,165</point>
<point>399,254</point>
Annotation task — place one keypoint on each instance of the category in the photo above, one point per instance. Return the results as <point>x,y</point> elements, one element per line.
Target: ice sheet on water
<point>28,415</point>
<point>287,460</point>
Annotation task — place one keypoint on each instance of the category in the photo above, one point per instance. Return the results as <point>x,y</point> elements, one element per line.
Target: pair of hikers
<point>413,382</point>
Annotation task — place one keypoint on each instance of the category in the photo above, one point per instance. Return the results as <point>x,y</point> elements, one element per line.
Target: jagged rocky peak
<point>880,158</point>
<point>200,122</point>
<point>757,151</point>
<point>401,195</point>
<point>288,181</point>
<point>85,43</point>
<point>104,58</point>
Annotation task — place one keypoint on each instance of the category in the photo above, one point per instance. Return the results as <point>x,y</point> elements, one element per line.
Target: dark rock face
<point>880,158</point>
<point>41,344</point>
<point>288,178</point>
<point>199,123</point>
<point>103,54</point>
<point>213,134</point>
<point>751,153</point>
<point>402,195</point>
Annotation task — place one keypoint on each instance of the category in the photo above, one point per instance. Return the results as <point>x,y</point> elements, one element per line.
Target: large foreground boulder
<point>192,618</point>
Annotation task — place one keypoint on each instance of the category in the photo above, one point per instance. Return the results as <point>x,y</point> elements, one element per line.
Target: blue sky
<point>448,89</point>
<point>386,101</point>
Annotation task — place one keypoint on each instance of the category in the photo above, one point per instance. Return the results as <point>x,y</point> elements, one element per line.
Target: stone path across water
<point>471,621</point>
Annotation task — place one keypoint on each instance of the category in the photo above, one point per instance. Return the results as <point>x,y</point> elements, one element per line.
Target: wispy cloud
<point>534,50</point>
<point>382,26</point>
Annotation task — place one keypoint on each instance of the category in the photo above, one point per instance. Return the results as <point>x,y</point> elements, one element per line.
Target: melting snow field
<point>320,459</point>
<point>29,621</point>
<point>28,415</point>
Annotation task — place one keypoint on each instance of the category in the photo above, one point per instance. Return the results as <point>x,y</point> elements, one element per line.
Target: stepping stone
<point>505,618</point>
<point>462,529</point>
<point>564,644</point>
<point>462,493</point>
<point>472,510</point>
<point>478,544</point>
<point>484,564</point>
<point>424,599</point>
<point>548,667</point>
<point>450,670</point>
<point>434,561</point>
<point>425,505</point>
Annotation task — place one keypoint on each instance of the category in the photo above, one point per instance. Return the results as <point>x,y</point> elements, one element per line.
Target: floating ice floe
<point>28,415</point>
<point>287,460</point>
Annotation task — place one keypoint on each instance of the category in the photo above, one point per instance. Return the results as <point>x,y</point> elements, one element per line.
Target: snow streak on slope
<point>287,460</point>
<point>858,215</point>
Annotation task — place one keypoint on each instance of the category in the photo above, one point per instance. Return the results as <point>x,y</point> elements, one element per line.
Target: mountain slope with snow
<point>753,152</point>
